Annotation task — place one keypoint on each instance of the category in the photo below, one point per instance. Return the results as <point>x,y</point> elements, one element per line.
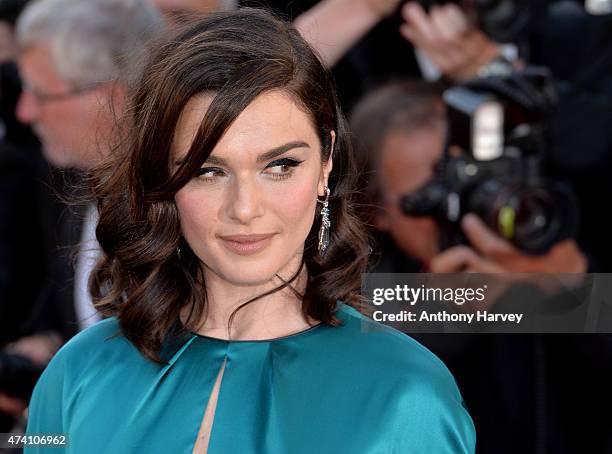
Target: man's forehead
<point>420,145</point>
<point>36,66</point>
<point>408,159</point>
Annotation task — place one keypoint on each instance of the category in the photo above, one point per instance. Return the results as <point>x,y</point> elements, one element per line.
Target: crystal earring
<point>325,224</point>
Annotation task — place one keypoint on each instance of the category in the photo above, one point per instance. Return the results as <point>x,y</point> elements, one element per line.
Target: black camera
<point>492,164</point>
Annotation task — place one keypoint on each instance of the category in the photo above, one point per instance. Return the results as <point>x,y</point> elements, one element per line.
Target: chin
<point>247,276</point>
<point>57,157</point>
<point>53,157</point>
<point>254,271</point>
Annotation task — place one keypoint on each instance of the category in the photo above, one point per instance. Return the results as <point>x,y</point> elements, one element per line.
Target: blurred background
<point>483,136</point>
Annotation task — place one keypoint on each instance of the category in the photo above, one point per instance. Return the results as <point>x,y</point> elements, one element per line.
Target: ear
<point>327,167</point>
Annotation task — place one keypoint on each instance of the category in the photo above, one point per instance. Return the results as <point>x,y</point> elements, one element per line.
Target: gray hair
<point>91,41</point>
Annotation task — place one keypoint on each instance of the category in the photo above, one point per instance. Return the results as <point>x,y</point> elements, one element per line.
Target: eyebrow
<point>268,155</point>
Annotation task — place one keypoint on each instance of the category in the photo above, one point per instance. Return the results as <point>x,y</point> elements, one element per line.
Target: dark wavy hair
<point>236,56</point>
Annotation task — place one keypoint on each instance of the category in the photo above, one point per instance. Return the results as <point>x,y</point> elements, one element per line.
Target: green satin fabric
<point>361,388</point>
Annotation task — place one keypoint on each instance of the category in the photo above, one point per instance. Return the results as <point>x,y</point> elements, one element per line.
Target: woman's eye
<point>279,169</point>
<point>208,173</point>
<point>282,168</point>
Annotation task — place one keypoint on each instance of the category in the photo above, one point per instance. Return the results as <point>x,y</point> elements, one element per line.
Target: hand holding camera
<point>489,253</point>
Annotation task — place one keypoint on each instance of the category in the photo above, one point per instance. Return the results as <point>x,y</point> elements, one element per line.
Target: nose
<point>27,108</point>
<point>245,202</point>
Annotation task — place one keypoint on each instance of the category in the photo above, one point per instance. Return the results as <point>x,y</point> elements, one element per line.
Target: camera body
<point>492,164</point>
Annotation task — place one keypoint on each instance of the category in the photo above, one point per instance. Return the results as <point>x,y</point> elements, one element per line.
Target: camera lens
<point>537,222</point>
<point>532,218</point>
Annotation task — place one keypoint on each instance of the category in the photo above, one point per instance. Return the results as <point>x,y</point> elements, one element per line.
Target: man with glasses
<point>74,60</point>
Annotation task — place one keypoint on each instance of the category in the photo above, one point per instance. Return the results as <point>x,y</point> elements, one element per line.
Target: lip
<point>246,244</point>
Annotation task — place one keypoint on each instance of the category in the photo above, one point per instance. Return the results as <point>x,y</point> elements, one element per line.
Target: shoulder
<point>389,348</point>
<point>92,349</point>
<point>78,363</point>
<point>427,401</point>
<point>102,336</point>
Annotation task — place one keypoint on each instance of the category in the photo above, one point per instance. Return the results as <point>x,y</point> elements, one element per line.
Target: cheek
<point>196,212</point>
<point>86,113</point>
<point>294,206</point>
<point>69,129</point>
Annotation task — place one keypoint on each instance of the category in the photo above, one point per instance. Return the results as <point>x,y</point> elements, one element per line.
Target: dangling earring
<point>178,252</point>
<point>325,224</point>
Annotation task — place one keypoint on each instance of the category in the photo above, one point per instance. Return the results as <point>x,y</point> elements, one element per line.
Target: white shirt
<point>89,252</point>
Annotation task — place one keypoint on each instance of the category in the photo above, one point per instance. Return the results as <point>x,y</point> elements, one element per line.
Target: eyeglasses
<point>44,98</point>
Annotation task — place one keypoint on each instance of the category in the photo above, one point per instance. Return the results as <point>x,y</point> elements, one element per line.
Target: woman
<point>230,290</point>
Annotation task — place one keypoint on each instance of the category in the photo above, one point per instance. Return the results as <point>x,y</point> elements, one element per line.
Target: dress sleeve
<point>46,410</point>
<point>433,416</point>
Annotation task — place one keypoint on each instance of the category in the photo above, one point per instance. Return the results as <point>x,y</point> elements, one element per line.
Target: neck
<point>276,315</point>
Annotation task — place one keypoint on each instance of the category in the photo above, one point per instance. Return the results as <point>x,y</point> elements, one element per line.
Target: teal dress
<point>360,388</point>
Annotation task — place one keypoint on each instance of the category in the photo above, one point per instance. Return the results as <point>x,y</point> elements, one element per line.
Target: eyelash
<point>284,162</point>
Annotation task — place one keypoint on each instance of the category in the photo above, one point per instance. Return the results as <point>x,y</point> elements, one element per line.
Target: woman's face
<point>247,213</point>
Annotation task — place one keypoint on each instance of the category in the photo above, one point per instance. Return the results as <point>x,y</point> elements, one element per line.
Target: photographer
<point>580,148</point>
<point>524,391</point>
<point>400,131</point>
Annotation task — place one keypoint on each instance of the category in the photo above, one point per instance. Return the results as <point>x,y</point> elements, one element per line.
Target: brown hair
<point>236,56</point>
